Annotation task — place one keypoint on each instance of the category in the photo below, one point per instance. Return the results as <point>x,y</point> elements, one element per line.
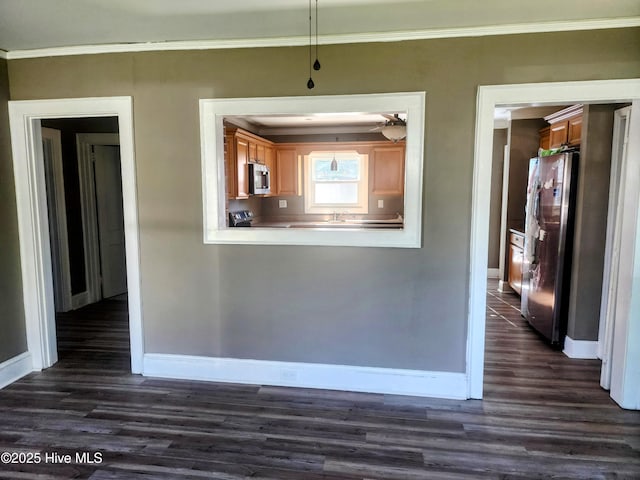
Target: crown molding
<point>398,36</point>
<point>3,54</point>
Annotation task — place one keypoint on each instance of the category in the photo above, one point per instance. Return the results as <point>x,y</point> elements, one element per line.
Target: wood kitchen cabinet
<point>287,172</point>
<point>387,170</point>
<point>545,138</point>
<point>565,128</point>
<point>256,151</point>
<point>516,258</point>
<point>242,148</point>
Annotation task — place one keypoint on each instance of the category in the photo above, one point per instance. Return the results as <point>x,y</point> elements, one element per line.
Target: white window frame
<point>362,205</point>
<point>212,113</point>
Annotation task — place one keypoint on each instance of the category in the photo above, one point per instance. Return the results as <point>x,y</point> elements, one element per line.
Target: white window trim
<point>362,207</point>
<point>212,112</point>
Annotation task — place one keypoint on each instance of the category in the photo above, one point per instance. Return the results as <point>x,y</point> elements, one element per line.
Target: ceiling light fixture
<point>316,64</point>
<point>395,129</point>
<point>334,162</point>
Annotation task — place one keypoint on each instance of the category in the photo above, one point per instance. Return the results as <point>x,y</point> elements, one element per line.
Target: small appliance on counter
<point>241,218</point>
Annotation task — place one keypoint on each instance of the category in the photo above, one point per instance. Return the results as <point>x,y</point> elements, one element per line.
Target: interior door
<point>110,219</point>
<point>54,179</point>
<point>612,249</point>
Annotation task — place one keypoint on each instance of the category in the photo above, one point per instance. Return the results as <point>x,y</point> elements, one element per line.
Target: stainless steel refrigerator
<point>548,243</point>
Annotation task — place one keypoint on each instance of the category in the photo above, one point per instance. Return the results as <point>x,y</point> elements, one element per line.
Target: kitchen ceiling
<point>46,24</point>
<point>318,123</point>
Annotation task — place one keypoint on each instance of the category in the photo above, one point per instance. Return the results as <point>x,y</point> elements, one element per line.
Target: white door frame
<point>84,142</point>
<point>621,120</point>
<point>627,344</point>
<point>35,257</point>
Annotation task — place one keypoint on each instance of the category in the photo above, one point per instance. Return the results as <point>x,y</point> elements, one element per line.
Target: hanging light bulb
<point>334,164</point>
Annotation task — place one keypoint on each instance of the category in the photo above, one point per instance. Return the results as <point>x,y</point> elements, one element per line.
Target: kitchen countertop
<point>330,225</point>
<point>396,222</point>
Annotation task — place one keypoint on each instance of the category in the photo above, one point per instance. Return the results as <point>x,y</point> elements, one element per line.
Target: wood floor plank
<point>544,416</point>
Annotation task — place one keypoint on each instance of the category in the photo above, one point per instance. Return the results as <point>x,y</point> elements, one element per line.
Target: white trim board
<point>627,394</point>
<point>35,256</point>
<point>397,36</point>
<point>493,273</point>
<point>15,368</point>
<point>580,348</point>
<point>307,375</point>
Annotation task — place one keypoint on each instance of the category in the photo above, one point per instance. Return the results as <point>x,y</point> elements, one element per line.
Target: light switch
<point>282,203</point>
<point>380,203</point>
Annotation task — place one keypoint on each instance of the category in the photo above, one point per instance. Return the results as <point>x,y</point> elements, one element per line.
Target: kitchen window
<point>336,182</point>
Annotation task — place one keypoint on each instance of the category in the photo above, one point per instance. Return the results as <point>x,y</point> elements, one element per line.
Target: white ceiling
<point>39,24</point>
<point>313,123</point>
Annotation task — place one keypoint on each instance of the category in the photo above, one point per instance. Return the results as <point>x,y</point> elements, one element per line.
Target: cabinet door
<point>242,168</point>
<point>387,171</point>
<point>270,162</point>
<point>558,134</point>
<point>287,172</point>
<point>574,134</point>
<point>230,166</point>
<point>516,255</point>
<point>260,153</point>
<point>545,138</point>
<point>253,152</point>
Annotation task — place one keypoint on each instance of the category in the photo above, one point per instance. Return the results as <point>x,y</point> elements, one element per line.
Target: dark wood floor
<point>544,416</point>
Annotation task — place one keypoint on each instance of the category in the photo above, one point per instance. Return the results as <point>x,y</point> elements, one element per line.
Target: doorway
<point>627,393</point>
<point>86,217</point>
<point>25,120</point>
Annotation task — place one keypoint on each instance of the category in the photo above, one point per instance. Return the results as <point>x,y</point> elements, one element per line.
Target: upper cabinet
<point>242,148</point>
<point>386,165</point>
<point>565,128</point>
<point>387,170</point>
<point>287,172</point>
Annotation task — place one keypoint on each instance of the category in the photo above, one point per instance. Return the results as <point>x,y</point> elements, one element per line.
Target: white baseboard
<point>80,300</point>
<point>504,287</point>
<point>15,368</point>
<point>493,273</point>
<point>580,348</point>
<point>308,375</point>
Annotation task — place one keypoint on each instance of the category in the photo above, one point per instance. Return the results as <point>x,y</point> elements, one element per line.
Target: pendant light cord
<point>310,83</point>
<point>317,63</point>
<point>309,38</point>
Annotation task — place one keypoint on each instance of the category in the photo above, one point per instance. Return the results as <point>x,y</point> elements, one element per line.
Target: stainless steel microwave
<point>259,179</point>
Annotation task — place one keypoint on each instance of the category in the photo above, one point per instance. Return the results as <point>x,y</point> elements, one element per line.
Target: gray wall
<point>361,306</point>
<point>591,222</point>
<point>499,141</point>
<point>13,339</point>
